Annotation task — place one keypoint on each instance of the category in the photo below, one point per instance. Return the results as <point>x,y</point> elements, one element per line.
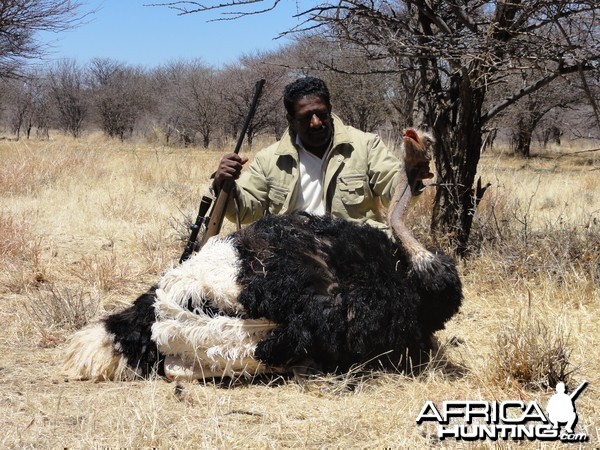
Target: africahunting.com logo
<point>513,419</point>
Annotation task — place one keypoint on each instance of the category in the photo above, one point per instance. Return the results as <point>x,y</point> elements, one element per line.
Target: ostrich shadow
<point>407,368</point>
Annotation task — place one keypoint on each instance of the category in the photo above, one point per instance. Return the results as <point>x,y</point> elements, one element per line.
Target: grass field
<point>87,225</point>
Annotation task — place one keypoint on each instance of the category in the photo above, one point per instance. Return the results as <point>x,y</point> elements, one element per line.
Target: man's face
<point>312,122</point>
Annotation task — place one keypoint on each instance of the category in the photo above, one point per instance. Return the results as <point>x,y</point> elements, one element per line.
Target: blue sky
<point>130,32</point>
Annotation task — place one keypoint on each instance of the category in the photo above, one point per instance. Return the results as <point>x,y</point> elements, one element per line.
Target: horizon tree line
<point>189,102</point>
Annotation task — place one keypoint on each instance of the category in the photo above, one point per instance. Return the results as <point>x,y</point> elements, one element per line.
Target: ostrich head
<point>417,156</point>
<point>417,146</point>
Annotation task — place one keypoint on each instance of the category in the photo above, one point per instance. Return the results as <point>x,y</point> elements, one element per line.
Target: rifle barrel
<point>257,91</point>
<point>578,390</point>
<point>217,213</point>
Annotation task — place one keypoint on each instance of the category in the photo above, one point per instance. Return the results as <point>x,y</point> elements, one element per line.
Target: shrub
<point>62,307</point>
<point>531,353</point>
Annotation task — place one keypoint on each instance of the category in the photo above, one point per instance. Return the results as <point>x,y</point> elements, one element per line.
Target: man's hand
<point>230,168</point>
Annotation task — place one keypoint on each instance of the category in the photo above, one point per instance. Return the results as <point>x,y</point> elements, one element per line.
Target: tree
<point>190,100</point>
<point>118,94</point>
<point>164,82</point>
<point>69,92</point>
<point>458,50</point>
<point>544,114</point>
<point>20,20</point>
<point>529,113</point>
<point>19,105</point>
<point>200,100</point>
<point>26,104</point>
<point>241,79</point>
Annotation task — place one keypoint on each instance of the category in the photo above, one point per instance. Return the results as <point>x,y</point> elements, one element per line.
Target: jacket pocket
<point>352,189</point>
<point>277,196</point>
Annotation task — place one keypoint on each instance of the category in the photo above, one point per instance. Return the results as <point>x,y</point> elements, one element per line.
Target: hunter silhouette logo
<point>561,407</point>
<point>513,419</point>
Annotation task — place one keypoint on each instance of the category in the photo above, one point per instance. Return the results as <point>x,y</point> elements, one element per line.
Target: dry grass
<point>531,353</point>
<point>65,308</point>
<point>87,225</point>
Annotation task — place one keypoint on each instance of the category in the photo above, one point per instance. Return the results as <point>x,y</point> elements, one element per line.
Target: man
<point>320,165</point>
<point>561,407</point>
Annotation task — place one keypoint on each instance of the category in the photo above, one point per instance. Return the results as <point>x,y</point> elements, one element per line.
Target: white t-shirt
<point>310,192</point>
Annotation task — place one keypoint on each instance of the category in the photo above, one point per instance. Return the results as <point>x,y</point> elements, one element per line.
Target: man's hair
<point>304,87</point>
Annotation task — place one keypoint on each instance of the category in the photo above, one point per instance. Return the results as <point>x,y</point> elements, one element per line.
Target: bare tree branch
<point>533,87</point>
<point>189,7</point>
<point>21,20</point>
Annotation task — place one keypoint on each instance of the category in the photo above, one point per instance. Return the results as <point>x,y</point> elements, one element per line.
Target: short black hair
<point>304,87</point>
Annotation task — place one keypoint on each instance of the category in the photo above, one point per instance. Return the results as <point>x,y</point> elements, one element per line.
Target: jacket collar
<point>287,143</point>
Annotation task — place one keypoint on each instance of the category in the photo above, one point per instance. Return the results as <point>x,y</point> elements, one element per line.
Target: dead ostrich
<point>287,291</point>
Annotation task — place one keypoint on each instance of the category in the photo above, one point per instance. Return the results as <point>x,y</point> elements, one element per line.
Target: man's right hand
<point>229,168</point>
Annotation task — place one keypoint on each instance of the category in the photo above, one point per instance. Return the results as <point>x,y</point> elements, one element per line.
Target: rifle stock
<point>217,214</point>
<point>215,220</point>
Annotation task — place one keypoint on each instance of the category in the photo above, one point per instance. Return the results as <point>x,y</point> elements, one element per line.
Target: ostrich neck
<point>398,207</point>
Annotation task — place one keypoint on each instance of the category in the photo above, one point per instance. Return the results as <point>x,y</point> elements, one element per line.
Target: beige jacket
<point>359,177</point>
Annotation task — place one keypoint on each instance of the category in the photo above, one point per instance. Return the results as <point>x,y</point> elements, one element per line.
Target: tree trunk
<point>522,140</point>
<point>552,133</point>
<point>457,127</point>
<point>526,124</point>
<point>521,137</point>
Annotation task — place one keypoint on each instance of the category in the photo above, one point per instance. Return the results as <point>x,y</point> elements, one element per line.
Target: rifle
<point>201,219</point>
<point>578,390</point>
<point>214,221</point>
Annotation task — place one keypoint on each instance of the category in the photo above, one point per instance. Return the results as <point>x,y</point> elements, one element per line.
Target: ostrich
<point>287,291</point>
